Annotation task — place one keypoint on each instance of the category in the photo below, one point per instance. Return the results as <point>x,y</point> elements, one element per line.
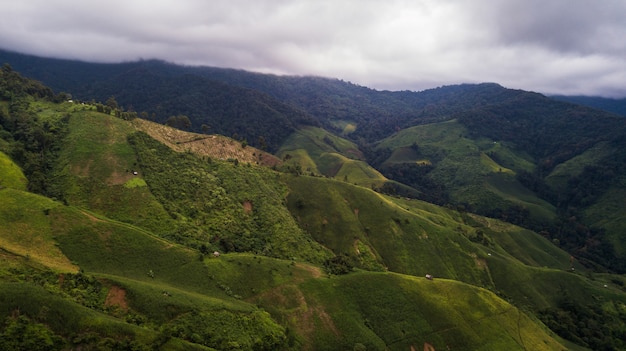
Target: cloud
<point>559,46</point>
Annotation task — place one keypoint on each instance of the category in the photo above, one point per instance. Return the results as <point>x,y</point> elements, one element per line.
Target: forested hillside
<point>617,106</point>
<point>119,233</point>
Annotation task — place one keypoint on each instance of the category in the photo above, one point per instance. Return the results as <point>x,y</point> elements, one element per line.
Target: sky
<point>570,47</point>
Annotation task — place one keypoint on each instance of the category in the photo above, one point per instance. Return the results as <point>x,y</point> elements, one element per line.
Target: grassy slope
<point>12,175</point>
<point>318,152</point>
<point>468,167</point>
<point>416,238</point>
<point>26,229</point>
<point>134,261</point>
<point>412,237</point>
<point>383,233</point>
<point>403,313</point>
<point>295,294</point>
<point>353,220</point>
<point>95,171</point>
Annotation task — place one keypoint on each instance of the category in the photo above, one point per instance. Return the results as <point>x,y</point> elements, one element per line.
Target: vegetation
<point>136,236</point>
<point>215,211</point>
<point>30,141</point>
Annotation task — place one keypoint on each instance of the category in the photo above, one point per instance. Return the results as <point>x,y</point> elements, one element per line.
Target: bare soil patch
<point>480,262</point>
<point>215,146</point>
<point>315,271</point>
<point>247,207</point>
<point>90,216</point>
<point>116,298</point>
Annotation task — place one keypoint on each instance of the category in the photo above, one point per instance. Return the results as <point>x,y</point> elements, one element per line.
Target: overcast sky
<point>549,46</point>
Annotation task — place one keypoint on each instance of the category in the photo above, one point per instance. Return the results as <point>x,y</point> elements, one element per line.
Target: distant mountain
<point>617,106</point>
<point>205,94</point>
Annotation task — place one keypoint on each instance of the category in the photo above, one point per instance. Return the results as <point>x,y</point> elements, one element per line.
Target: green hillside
<point>12,175</point>
<point>135,289</point>
<point>476,172</point>
<point>315,151</point>
<point>558,160</point>
<point>127,238</point>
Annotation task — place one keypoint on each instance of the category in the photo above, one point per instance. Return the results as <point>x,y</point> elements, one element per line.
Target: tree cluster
<point>589,325</point>
<point>32,143</point>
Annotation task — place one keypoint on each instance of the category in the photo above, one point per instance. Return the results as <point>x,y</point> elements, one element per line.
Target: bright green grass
<point>11,175</point>
<point>312,140</point>
<point>526,246</point>
<point>339,214</point>
<point>360,173</point>
<point>161,302</point>
<point>98,145</point>
<point>311,144</point>
<point>462,165</point>
<point>102,246</point>
<point>135,183</point>
<point>416,238</point>
<point>538,288</point>
<point>492,165</point>
<point>356,172</point>
<point>26,229</point>
<point>445,133</point>
<point>95,171</point>
<point>319,152</point>
<point>301,158</point>
<point>395,312</point>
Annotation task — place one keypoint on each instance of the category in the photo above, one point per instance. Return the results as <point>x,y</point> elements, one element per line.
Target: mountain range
<point>303,213</point>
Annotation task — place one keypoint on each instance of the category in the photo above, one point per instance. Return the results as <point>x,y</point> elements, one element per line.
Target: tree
<point>262,143</point>
<point>21,333</point>
<point>112,103</point>
<point>340,264</point>
<point>179,122</point>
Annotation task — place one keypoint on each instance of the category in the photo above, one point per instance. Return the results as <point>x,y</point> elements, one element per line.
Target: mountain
<point>121,233</point>
<point>617,106</point>
<point>508,154</point>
